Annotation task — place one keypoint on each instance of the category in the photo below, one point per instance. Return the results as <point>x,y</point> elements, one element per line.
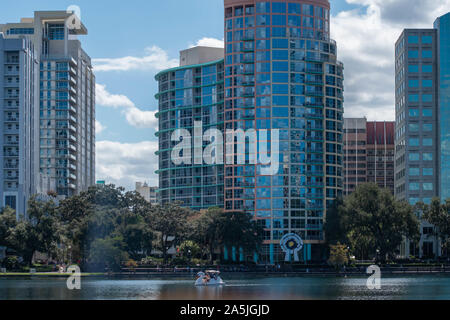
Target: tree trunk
<point>211,253</point>
<point>164,248</point>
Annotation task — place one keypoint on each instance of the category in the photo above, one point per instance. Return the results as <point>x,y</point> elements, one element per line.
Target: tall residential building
<point>282,72</point>
<point>19,118</point>
<point>148,193</point>
<point>65,85</point>
<point>369,153</point>
<point>190,94</point>
<point>422,168</point>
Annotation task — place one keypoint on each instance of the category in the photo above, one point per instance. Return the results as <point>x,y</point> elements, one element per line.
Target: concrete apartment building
<point>422,162</point>
<point>355,153</point>
<point>48,78</point>
<point>148,193</point>
<point>369,153</point>
<point>19,143</point>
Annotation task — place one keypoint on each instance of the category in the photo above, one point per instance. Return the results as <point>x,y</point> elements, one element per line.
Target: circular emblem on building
<point>291,244</point>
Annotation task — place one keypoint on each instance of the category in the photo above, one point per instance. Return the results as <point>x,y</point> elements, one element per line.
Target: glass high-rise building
<point>279,70</point>
<point>282,72</point>
<point>189,94</point>
<point>422,115</point>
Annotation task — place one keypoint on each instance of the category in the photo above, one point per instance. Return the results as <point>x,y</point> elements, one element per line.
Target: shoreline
<point>188,275</point>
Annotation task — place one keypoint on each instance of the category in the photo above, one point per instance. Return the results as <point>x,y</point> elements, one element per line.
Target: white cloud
<point>141,119</point>
<point>155,59</point>
<point>134,116</point>
<point>209,42</point>
<point>366,38</point>
<point>99,128</point>
<point>125,163</point>
<point>104,98</point>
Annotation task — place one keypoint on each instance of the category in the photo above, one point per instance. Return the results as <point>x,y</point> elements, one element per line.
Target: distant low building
<point>369,153</point>
<point>148,193</point>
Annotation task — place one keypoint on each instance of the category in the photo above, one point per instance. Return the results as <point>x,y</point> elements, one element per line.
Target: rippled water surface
<point>304,288</point>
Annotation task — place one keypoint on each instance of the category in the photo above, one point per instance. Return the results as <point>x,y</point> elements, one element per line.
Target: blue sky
<point>127,29</point>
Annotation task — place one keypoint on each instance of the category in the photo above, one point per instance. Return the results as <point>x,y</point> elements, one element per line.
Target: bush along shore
<point>108,230</point>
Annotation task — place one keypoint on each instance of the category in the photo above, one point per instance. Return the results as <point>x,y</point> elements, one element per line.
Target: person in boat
<point>206,278</point>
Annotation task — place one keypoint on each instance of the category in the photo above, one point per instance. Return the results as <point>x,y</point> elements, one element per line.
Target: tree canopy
<point>371,222</point>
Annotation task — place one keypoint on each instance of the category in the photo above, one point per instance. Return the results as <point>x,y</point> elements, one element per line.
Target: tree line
<point>371,224</point>
<point>105,226</point>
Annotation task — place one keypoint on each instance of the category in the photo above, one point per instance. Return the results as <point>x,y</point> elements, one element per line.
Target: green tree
<point>338,255</point>
<point>241,230</point>
<point>216,228</point>
<point>438,214</point>
<point>105,211</point>
<point>108,252</point>
<point>208,228</point>
<point>189,249</point>
<point>169,220</point>
<point>37,233</point>
<point>371,221</point>
<point>7,223</point>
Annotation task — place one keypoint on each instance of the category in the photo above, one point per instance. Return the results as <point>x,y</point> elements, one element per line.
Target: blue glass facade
<point>442,25</point>
<point>281,72</point>
<point>188,94</point>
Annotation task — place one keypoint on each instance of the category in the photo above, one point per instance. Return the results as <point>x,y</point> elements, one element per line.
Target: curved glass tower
<point>281,72</point>
<point>188,94</point>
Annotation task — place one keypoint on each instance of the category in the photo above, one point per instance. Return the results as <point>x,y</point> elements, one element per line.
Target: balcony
<point>11,85</point>
<point>11,154</point>
<point>11,143</point>
<point>10,165</point>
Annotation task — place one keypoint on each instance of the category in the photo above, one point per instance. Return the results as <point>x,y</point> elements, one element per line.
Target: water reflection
<point>306,288</point>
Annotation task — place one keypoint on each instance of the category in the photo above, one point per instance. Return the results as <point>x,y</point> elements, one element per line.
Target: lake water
<point>303,288</point>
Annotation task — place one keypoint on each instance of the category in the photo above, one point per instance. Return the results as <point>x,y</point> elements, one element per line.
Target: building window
<point>413,98</point>
<point>414,186</point>
<point>413,84</point>
<point>428,187</point>
<point>413,68</point>
<point>427,68</point>
<point>10,201</point>
<point>427,54</point>
<point>413,54</point>
<point>427,97</point>
<point>414,142</point>
<point>427,112</point>
<point>427,39</point>
<point>414,157</point>
<point>413,39</point>
<point>56,31</point>
<point>413,112</point>
<point>427,142</point>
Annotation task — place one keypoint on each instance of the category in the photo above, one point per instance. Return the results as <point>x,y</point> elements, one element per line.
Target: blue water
<point>304,288</point>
